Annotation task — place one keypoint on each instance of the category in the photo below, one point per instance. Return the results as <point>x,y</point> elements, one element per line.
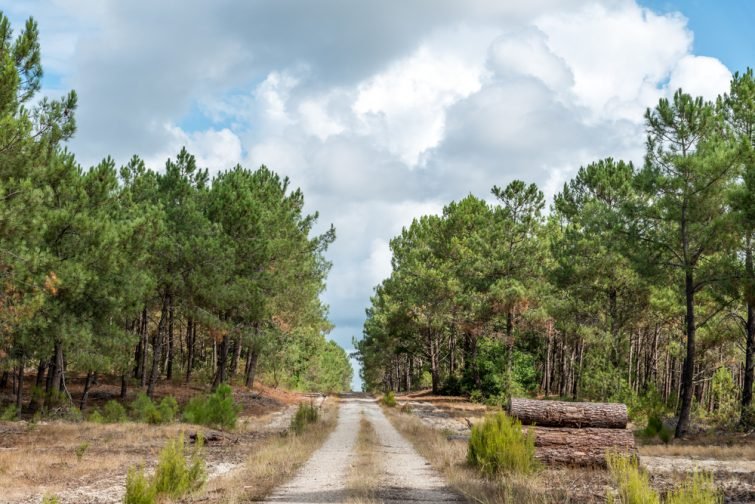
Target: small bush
<point>655,427</point>
<point>389,399</point>
<point>96,417</point>
<point>144,410</point>
<point>498,445</point>
<point>696,489</point>
<point>173,476</point>
<point>216,410</point>
<point>139,490</point>
<point>81,450</point>
<point>476,396</point>
<point>305,415</point>
<point>168,409</point>
<point>633,483</point>
<point>113,412</point>
<point>406,409</point>
<point>9,413</point>
<point>50,499</point>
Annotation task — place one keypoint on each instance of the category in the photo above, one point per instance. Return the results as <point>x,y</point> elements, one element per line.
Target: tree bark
<point>157,344</point>
<point>57,374</point>
<point>124,386</point>
<point>144,330</point>
<point>87,386</point>
<point>220,372</point>
<point>20,385</point>
<point>169,366</point>
<point>568,414</point>
<point>236,355</point>
<point>581,447</point>
<point>688,370</point>
<point>190,337</point>
<point>749,370</point>
<point>251,365</point>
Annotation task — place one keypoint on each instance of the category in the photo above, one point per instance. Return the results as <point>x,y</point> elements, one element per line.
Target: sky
<point>381,111</point>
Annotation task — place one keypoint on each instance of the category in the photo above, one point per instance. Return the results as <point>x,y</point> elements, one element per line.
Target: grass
<point>273,462</point>
<point>389,399</point>
<point>305,415</point>
<point>742,451</point>
<point>363,477</point>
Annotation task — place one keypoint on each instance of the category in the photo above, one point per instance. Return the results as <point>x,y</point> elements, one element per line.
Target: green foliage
<point>9,413</point>
<point>173,476</point>
<point>113,412</point>
<point>80,450</point>
<point>695,489</point>
<point>305,414</point>
<point>725,396</point>
<point>217,409</point>
<point>96,417</point>
<point>655,427</point>
<point>143,409</point>
<point>50,499</point>
<point>389,399</point>
<point>499,445</point>
<point>633,483</point>
<point>476,396</point>
<point>139,489</point>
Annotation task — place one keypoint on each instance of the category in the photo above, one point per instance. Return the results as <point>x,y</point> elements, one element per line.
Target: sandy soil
<point>406,476</point>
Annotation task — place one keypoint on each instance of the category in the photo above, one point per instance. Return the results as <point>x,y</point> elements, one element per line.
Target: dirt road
<point>405,475</point>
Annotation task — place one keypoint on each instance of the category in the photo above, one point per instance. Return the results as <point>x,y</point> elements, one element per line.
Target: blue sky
<point>381,115</point>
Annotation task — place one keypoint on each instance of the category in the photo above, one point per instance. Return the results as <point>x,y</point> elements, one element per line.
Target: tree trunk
<point>581,447</point>
<point>143,331</point>
<point>190,337</point>
<point>169,367</point>
<point>157,344</point>
<point>749,370</point>
<point>57,375</point>
<point>20,384</point>
<point>220,372</point>
<point>251,365</point>
<point>87,386</point>
<point>688,371</point>
<point>4,380</point>
<point>124,386</point>
<point>568,414</point>
<point>236,355</point>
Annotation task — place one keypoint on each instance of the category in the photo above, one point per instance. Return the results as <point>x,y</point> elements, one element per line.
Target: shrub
<point>655,427</point>
<point>9,413</point>
<point>168,409</point>
<point>498,444</point>
<point>217,409</point>
<point>173,476</point>
<point>389,399</point>
<point>305,415</point>
<point>50,499</point>
<point>113,412</point>
<point>476,396</point>
<point>144,410</point>
<point>633,483</point>
<point>96,417</point>
<point>81,450</point>
<point>696,489</point>
<point>139,490</point>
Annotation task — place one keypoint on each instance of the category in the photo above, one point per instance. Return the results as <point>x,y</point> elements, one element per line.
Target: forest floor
<point>87,463</point>
<point>729,458</point>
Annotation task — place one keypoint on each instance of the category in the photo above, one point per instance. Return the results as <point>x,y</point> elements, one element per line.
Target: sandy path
<point>405,477</point>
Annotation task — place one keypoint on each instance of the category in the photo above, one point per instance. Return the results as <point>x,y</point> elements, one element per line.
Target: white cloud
<point>700,76</point>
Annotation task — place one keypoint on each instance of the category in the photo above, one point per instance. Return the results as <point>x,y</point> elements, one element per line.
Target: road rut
<point>405,475</point>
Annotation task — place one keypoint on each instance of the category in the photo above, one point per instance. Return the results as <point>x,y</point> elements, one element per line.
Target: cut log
<point>581,447</point>
<point>569,414</point>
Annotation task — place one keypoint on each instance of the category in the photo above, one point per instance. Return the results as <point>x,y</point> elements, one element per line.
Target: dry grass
<point>364,475</point>
<point>273,462</point>
<point>449,458</point>
<point>745,451</point>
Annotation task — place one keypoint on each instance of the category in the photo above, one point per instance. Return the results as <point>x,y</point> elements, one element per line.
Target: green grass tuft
<point>499,445</point>
<point>306,414</point>
<point>216,410</point>
<point>389,399</point>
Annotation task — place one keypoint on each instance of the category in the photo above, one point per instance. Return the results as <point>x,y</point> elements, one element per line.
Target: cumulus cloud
<point>380,115</point>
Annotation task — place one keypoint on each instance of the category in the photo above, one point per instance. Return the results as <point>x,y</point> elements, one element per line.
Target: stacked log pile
<point>575,433</point>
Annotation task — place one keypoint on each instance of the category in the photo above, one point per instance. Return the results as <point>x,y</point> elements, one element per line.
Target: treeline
<point>143,274</point>
<point>637,286</point>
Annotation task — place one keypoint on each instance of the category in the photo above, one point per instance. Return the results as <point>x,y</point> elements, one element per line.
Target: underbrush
<point>143,409</point>
<point>498,445</point>
<point>389,399</point>
<point>173,477</point>
<point>215,410</point>
<point>306,414</point>
<point>634,486</point>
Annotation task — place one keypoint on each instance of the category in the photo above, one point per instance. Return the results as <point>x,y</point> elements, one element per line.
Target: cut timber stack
<point>575,433</point>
